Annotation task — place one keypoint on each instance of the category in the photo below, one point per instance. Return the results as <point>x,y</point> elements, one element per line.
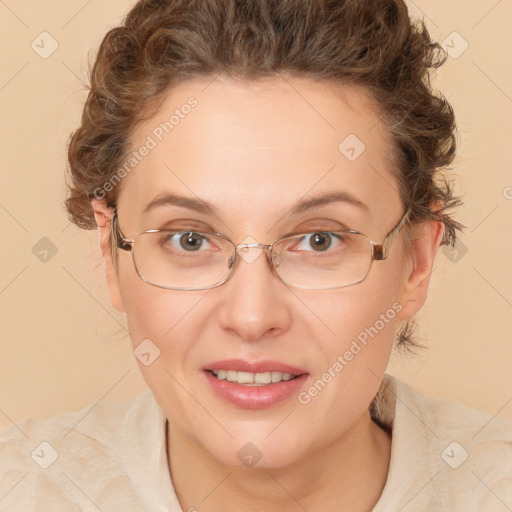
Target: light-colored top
<point>112,457</point>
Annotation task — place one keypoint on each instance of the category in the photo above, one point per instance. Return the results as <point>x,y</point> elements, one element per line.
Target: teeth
<point>276,376</point>
<point>253,379</point>
<point>263,378</point>
<point>245,378</point>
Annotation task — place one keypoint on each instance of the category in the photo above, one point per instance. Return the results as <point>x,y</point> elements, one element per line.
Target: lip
<point>239,365</point>
<point>254,397</point>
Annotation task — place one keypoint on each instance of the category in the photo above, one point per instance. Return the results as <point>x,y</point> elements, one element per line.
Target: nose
<point>254,302</point>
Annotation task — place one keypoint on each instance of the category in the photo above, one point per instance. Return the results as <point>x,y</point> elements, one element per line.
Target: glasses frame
<point>379,251</point>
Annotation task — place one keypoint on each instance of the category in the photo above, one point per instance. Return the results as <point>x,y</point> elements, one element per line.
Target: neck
<point>349,474</point>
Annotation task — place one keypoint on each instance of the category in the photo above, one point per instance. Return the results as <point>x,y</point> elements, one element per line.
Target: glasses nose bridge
<point>242,251</point>
<point>253,245</point>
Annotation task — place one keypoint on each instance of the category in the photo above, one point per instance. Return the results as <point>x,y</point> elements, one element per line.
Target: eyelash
<point>335,241</point>
<point>312,227</point>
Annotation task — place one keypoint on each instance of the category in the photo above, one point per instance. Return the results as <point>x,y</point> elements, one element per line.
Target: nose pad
<point>231,261</point>
<point>249,250</point>
<point>275,260</point>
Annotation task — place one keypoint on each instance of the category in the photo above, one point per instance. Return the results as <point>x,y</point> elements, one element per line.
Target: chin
<point>251,449</point>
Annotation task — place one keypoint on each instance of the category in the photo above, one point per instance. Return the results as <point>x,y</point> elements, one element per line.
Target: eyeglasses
<point>193,260</point>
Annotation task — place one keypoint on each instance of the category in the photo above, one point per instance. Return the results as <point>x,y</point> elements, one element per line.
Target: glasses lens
<point>324,259</point>
<point>191,260</point>
<point>182,259</point>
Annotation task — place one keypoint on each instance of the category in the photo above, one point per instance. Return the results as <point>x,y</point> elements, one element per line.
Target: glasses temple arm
<point>381,251</point>
<point>118,240</point>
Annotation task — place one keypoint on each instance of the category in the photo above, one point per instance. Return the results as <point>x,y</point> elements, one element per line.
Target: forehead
<point>269,141</point>
<point>271,113</point>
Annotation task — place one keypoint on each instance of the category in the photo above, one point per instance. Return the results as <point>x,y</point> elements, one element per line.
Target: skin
<point>253,150</point>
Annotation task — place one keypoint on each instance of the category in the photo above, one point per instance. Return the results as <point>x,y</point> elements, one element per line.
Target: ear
<point>103,215</point>
<point>426,238</point>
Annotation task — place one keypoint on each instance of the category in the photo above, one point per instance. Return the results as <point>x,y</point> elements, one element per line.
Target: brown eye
<point>190,241</point>
<point>320,241</point>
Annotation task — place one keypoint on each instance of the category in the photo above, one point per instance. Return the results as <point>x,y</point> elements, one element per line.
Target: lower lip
<point>255,397</point>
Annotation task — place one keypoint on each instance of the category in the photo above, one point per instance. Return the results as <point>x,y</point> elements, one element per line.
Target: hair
<point>373,44</point>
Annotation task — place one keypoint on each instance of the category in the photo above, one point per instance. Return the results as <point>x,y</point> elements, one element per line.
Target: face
<point>252,151</point>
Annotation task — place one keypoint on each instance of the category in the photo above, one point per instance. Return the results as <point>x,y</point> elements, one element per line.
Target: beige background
<point>62,344</point>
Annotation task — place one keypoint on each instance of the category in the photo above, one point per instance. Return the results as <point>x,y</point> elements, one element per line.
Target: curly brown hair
<point>373,44</point>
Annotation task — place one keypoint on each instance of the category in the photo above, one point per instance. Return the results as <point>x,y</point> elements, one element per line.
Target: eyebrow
<point>185,202</point>
<point>325,199</point>
<point>301,206</point>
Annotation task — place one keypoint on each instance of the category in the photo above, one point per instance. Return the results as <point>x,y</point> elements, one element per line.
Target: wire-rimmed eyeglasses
<point>195,260</point>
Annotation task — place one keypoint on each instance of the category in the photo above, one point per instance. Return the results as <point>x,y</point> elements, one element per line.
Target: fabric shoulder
<point>473,449</point>
<point>46,461</point>
<point>100,421</point>
<point>448,417</point>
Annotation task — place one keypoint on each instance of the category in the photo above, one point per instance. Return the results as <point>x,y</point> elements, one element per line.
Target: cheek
<point>361,312</point>
<point>361,331</point>
<point>356,347</point>
<point>159,315</point>
<point>148,308</point>
<point>350,363</point>
<point>164,328</point>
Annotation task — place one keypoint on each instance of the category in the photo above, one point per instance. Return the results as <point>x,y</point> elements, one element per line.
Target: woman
<point>266,182</point>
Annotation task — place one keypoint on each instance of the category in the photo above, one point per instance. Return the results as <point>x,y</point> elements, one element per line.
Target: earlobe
<point>103,216</point>
<point>426,239</point>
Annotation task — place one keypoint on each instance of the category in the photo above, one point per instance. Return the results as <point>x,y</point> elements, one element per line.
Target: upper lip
<point>239,365</point>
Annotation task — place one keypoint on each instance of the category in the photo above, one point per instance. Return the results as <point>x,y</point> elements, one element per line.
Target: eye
<point>190,241</point>
<point>320,241</point>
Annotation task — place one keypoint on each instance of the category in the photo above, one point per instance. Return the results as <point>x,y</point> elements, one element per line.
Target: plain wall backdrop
<point>64,347</point>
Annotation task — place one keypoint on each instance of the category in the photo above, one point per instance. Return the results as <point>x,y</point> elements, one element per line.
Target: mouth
<point>254,385</point>
<point>253,379</point>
